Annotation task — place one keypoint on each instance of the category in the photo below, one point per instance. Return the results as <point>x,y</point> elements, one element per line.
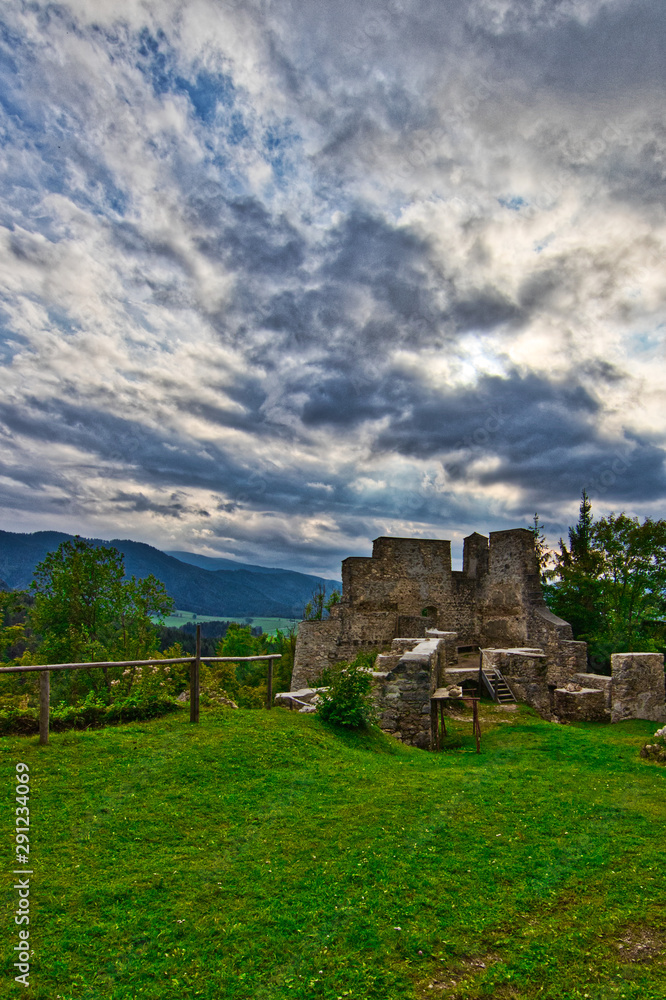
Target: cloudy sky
<point>280,276</point>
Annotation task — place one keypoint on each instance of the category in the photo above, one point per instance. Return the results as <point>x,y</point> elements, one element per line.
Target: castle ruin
<point>406,602</point>
<point>408,586</point>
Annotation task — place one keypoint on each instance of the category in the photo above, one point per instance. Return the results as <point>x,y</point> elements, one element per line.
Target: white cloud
<point>294,242</point>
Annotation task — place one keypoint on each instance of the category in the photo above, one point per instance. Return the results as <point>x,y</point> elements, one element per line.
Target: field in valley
<point>268,625</point>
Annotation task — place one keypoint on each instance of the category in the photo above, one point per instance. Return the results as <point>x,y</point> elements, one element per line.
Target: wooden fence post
<point>44,698</point>
<point>194,680</point>
<point>269,693</point>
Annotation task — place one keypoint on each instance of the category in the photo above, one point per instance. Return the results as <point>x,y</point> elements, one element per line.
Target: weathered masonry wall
<point>406,677</point>
<point>407,586</point>
<point>638,690</point>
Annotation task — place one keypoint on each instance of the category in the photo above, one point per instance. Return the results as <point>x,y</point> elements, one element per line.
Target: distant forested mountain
<point>243,591</point>
<point>219,562</point>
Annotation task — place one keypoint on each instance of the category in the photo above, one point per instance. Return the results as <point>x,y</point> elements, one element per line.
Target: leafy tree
<point>631,575</point>
<point>575,594</point>
<point>610,583</point>
<point>239,641</point>
<point>85,610</point>
<point>284,643</point>
<point>318,606</point>
<point>244,682</point>
<point>142,600</point>
<point>16,690</point>
<point>12,625</point>
<point>580,536</point>
<point>334,599</point>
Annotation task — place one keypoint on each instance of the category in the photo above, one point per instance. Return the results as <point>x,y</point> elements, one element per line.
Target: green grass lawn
<point>260,855</point>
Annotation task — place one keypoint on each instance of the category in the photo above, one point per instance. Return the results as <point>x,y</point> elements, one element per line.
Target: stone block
<point>387,661</point>
<point>601,682</point>
<point>401,645</point>
<point>586,705</point>
<point>638,687</point>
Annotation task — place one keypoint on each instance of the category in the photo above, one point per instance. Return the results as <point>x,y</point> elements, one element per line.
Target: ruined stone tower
<point>408,586</point>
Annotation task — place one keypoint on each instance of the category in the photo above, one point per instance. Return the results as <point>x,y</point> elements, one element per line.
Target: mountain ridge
<point>247,590</point>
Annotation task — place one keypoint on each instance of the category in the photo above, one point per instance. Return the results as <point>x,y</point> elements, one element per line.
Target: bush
<point>89,714</point>
<point>252,697</point>
<point>347,700</point>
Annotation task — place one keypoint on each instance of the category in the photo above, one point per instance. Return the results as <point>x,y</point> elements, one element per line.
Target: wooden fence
<point>195,664</point>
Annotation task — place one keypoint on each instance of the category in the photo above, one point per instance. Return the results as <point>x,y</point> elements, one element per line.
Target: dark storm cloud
<point>176,507</point>
<point>342,195</point>
<point>618,49</point>
<point>116,440</point>
<point>545,435</point>
<point>370,250</point>
<point>424,420</point>
<point>416,302</point>
<point>254,240</point>
<point>336,397</point>
<point>158,457</point>
<point>614,474</point>
<point>487,310</point>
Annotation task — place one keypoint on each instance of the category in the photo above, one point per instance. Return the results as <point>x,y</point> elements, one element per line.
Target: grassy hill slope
<point>260,856</point>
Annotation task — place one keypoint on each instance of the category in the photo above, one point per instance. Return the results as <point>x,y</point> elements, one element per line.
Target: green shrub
<point>347,700</point>
<point>251,697</point>
<point>367,659</point>
<point>89,714</point>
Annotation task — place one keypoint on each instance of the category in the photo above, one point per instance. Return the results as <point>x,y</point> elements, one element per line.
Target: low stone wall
<point>586,705</point>
<point>402,698</point>
<point>554,637</point>
<point>416,625</point>
<point>638,687</point>
<point>601,682</point>
<point>447,653</point>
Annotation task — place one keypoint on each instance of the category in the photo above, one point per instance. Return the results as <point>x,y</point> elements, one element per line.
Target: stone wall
<point>565,656</point>
<point>602,682</point>
<point>404,573</point>
<point>525,671</point>
<point>638,687</point>
<point>315,649</point>
<point>586,705</point>
<point>402,696</point>
<point>407,586</point>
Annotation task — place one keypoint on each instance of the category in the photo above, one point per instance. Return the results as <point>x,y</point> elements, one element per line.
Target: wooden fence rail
<point>195,664</point>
